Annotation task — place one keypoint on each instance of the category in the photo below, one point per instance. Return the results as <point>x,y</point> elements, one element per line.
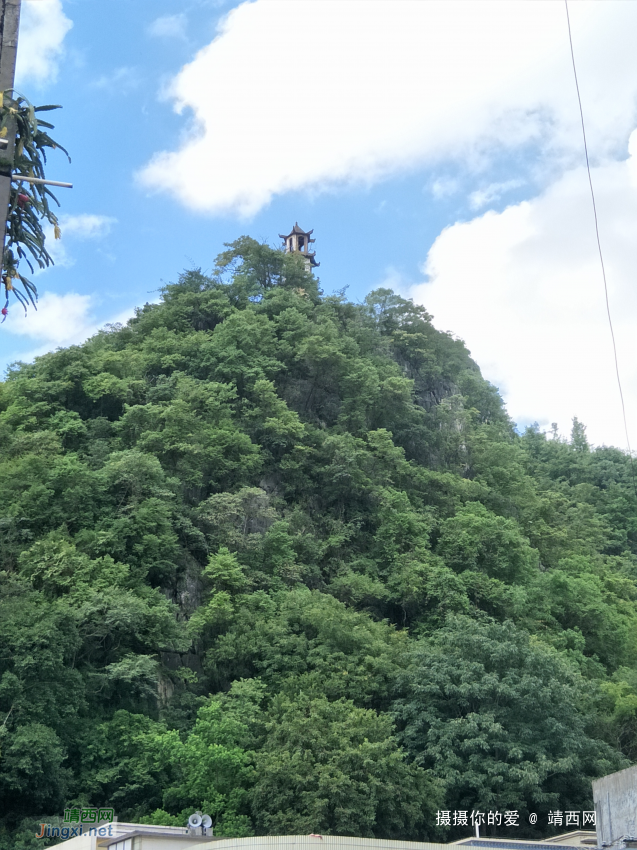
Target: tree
<point>233,532</point>
<point>478,540</point>
<point>502,719</point>
<point>337,769</point>
<point>28,202</point>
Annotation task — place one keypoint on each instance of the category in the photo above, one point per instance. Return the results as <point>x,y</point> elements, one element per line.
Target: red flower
<point>23,200</point>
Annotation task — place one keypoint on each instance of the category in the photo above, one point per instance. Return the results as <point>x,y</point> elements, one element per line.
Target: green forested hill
<point>283,558</point>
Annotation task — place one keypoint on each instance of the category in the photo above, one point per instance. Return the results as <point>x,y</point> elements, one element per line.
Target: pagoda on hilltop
<point>298,242</point>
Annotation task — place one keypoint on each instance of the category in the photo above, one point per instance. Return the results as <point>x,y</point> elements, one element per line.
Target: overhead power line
<point>599,247</point>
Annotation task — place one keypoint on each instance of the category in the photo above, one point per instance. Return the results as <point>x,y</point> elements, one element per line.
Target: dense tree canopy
<point>285,559</point>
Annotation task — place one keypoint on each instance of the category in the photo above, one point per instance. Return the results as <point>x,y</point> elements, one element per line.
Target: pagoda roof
<point>297,230</point>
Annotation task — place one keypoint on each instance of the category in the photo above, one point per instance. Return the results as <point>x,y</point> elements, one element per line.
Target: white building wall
<point>308,842</point>
<point>615,798</point>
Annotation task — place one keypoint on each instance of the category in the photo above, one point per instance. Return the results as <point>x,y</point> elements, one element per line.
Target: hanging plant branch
<point>29,204</point>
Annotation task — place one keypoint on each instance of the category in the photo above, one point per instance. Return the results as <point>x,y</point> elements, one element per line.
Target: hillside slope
<point>283,558</point>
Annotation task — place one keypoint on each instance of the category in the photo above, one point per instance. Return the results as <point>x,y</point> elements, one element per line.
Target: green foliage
<point>28,202</point>
<point>284,559</point>
<point>502,719</point>
<point>477,539</point>
<point>337,769</point>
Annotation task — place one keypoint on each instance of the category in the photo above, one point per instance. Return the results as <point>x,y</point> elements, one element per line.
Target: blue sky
<point>434,147</point>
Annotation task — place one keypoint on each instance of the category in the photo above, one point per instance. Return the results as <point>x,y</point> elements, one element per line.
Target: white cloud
<point>81,226</point>
<point>393,278</point>
<point>491,193</point>
<point>169,26</point>
<point>43,26</point>
<point>122,80</point>
<point>444,187</point>
<point>59,320</point>
<point>86,225</point>
<point>316,94</point>
<point>523,288</point>
<point>69,319</point>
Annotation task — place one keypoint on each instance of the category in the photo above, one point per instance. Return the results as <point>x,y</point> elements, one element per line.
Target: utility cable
<point>599,249</point>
